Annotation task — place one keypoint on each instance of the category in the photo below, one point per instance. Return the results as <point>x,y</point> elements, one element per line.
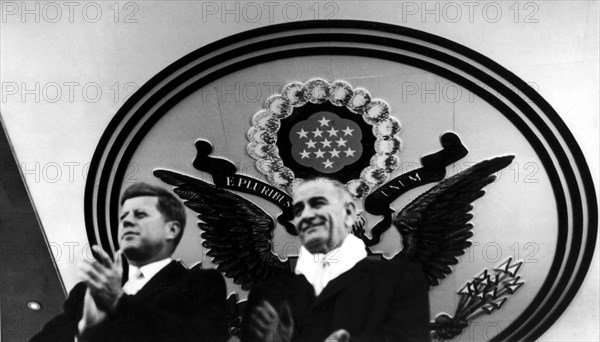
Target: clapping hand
<point>269,326</point>
<point>103,278</point>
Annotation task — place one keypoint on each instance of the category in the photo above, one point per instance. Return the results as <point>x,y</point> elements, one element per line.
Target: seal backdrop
<point>149,133</point>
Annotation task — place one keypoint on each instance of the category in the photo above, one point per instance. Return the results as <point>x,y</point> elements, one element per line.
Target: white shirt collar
<point>337,261</point>
<point>148,271</point>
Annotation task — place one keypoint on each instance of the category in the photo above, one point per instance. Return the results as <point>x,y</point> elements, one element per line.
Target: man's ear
<point>350,214</point>
<point>173,230</point>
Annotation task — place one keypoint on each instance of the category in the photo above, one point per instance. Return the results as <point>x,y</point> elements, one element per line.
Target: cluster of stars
<point>326,144</point>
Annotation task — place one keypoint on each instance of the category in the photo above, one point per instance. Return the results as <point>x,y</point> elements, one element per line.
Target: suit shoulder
<point>207,275</point>
<point>413,271</point>
<point>200,282</point>
<point>282,283</point>
<point>409,266</point>
<point>207,272</point>
<point>78,287</point>
<point>78,290</point>
<point>401,267</point>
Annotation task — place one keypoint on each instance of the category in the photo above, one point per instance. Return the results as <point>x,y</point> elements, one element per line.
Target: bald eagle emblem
<point>333,130</point>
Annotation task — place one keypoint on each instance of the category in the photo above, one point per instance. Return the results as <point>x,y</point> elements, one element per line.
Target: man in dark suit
<point>337,293</point>
<point>161,301</point>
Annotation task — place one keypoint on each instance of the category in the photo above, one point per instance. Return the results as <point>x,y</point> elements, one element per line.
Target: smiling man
<point>161,300</point>
<point>323,213</point>
<point>336,293</point>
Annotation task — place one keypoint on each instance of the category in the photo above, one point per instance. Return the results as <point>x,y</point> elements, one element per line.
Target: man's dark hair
<point>168,205</point>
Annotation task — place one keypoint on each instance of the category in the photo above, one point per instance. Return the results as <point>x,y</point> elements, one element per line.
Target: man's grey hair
<point>340,188</point>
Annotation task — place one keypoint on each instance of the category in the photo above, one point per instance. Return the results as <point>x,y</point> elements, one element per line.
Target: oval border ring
<point>539,123</point>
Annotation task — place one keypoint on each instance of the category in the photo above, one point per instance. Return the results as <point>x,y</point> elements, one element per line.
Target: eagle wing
<point>236,231</point>
<point>435,226</point>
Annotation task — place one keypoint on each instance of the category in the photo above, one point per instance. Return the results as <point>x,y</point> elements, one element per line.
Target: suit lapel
<point>302,294</point>
<point>340,283</point>
<point>167,275</point>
